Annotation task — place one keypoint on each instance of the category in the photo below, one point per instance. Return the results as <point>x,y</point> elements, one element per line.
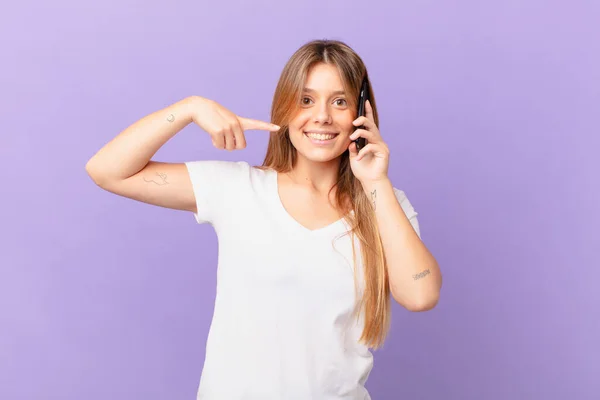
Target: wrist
<point>190,106</point>
<point>369,185</point>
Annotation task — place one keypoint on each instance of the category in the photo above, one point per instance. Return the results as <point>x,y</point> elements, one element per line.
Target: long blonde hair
<point>281,156</point>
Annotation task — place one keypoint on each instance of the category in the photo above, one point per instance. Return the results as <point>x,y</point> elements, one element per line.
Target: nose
<point>322,115</point>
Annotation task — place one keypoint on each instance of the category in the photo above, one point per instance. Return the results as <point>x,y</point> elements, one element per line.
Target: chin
<point>320,155</point>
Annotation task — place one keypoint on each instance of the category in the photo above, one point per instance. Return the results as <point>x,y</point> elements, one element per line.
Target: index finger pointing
<point>248,123</point>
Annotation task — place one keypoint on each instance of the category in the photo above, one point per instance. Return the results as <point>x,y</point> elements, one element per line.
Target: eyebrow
<point>334,92</point>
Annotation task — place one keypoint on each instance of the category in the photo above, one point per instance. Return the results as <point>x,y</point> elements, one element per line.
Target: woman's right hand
<point>224,127</point>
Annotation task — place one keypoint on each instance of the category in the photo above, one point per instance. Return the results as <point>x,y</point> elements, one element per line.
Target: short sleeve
<point>215,183</point>
<point>408,209</point>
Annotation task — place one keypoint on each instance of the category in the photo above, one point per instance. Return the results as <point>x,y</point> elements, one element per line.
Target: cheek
<point>301,120</point>
<point>341,120</point>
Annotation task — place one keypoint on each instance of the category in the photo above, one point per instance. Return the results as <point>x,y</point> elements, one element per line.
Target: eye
<point>304,103</point>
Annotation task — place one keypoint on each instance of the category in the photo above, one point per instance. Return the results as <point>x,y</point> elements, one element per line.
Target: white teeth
<point>319,136</point>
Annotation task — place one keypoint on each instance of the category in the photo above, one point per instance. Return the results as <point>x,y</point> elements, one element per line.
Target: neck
<point>319,177</point>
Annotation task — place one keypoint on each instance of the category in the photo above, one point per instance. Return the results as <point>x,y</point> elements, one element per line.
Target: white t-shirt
<point>282,327</point>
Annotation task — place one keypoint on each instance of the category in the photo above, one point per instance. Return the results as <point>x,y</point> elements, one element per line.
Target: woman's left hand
<point>371,163</point>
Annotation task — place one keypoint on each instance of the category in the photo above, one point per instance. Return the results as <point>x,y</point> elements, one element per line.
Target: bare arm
<point>124,167</point>
<point>130,151</point>
<point>158,183</point>
<point>414,274</point>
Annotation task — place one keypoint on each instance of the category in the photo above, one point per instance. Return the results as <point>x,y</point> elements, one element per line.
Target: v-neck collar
<point>292,223</point>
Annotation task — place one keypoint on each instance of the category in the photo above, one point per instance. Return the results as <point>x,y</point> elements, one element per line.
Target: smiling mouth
<point>321,137</point>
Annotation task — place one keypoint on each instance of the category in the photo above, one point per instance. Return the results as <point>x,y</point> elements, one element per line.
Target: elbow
<point>428,300</point>
<point>88,168</point>
<point>93,174</point>
<point>418,303</point>
<point>416,306</point>
<point>424,304</point>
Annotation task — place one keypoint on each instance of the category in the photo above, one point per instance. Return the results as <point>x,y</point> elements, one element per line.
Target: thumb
<point>248,123</point>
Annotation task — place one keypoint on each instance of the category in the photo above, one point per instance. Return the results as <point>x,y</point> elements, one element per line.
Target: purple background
<point>491,112</point>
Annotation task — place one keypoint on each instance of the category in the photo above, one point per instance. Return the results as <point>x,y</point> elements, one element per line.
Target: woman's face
<point>320,130</point>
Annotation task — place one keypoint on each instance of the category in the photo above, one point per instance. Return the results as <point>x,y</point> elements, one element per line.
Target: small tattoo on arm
<point>171,118</point>
<point>161,177</point>
<point>373,198</point>
<point>421,275</point>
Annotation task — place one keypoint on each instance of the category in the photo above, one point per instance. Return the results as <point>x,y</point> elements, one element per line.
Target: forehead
<point>324,77</point>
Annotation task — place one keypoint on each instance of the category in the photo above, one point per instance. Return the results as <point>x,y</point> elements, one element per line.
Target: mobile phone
<point>362,98</point>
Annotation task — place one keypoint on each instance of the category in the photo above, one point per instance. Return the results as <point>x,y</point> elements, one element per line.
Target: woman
<point>311,243</point>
